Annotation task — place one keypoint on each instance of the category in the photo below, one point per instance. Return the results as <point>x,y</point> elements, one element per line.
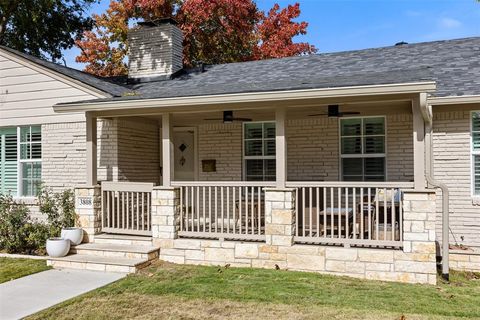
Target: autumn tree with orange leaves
<point>215,31</point>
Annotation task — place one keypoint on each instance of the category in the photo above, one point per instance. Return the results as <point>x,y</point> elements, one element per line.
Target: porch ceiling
<point>364,109</point>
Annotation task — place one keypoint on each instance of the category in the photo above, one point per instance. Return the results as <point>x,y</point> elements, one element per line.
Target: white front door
<point>184,154</point>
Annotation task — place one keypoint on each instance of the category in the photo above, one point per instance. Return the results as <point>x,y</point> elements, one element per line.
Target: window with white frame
<point>476,152</point>
<point>259,151</point>
<point>20,161</point>
<point>362,148</point>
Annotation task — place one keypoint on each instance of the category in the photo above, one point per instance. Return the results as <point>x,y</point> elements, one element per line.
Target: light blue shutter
<point>476,149</point>
<point>8,161</point>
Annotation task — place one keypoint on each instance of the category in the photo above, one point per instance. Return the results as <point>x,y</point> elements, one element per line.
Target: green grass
<point>13,268</point>
<point>195,292</point>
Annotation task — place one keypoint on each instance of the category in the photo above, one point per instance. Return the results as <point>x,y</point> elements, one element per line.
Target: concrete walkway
<point>25,296</point>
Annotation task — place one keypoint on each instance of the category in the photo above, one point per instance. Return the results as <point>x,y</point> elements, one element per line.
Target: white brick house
<point>330,163</point>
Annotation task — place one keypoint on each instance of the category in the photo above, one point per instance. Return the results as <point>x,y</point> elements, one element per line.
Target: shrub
<point>59,207</point>
<point>19,234</point>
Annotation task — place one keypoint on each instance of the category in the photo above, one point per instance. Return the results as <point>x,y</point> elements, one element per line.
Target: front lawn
<point>13,268</point>
<point>166,291</point>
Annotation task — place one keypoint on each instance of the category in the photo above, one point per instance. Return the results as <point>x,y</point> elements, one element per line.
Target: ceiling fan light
<point>227,116</point>
<point>333,110</point>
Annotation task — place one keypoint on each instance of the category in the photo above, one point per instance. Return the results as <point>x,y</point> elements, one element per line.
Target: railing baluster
<point>310,196</point>
<point>197,209</point>
<point>393,214</point>
<point>332,217</point>
<point>384,214</point>
<point>400,213</point>
<point>210,209</point>
<point>234,210</point>
<point>297,207</point>
<point>377,214</point>
<point>369,214</point>
<point>228,209</point>
<point>143,211</point>
<point>221,208</point>
<point>149,206</point>
<point>354,208</point>
<point>362,230</point>
<point>240,200</point>
<point>259,211</point>
<point>317,213</point>
<point>347,222</point>
<point>203,211</point>
<point>252,209</point>
<point>216,210</point>
<point>303,212</point>
<point>182,213</point>
<point>324,210</point>
<point>339,195</point>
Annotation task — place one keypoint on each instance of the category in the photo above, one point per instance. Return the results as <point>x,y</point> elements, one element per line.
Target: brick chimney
<point>155,50</point>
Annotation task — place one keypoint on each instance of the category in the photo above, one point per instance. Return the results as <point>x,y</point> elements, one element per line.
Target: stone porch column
<point>88,207</point>
<point>419,248</point>
<point>165,213</point>
<point>279,216</point>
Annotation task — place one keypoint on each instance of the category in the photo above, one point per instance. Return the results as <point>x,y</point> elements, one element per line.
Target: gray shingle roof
<point>93,81</point>
<point>453,64</point>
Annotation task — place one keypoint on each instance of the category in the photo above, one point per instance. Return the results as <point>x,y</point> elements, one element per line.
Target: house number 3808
<point>84,202</point>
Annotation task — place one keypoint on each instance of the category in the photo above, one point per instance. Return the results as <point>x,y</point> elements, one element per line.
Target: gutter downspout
<point>428,118</point>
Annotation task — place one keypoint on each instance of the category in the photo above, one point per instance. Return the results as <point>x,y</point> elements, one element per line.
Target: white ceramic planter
<point>75,235</point>
<point>58,247</point>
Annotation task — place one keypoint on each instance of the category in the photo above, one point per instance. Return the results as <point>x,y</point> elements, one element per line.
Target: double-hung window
<point>476,153</point>
<point>362,148</point>
<point>20,161</point>
<point>259,151</point>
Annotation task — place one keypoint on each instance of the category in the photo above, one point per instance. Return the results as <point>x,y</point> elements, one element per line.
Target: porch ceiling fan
<point>228,118</point>
<point>334,112</point>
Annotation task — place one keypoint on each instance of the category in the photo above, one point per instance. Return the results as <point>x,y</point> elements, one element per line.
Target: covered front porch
<point>345,162</point>
<point>329,180</point>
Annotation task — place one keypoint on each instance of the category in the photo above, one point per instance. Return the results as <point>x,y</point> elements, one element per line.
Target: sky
<point>339,25</point>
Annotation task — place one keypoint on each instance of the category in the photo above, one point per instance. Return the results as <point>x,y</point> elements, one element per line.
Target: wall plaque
<point>209,165</point>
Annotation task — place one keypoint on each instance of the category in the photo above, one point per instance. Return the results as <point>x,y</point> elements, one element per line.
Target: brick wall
<point>64,153</point>
<point>452,165</point>
<point>138,151</point>
<point>127,150</point>
<point>222,142</point>
<point>312,149</point>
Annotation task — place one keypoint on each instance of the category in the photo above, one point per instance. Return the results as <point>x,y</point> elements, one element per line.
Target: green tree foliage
<point>43,28</point>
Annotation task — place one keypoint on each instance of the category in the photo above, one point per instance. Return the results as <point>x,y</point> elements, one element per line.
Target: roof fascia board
<point>438,101</point>
<point>56,75</point>
<point>291,95</point>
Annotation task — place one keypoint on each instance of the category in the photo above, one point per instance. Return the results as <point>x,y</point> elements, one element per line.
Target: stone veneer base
<point>364,263</point>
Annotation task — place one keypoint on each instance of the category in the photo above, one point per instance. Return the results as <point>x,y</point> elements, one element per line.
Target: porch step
<point>122,239</point>
<point>148,252</point>
<point>98,263</point>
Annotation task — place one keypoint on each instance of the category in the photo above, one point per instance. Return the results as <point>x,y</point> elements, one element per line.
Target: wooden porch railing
<point>222,210</point>
<point>349,213</point>
<point>126,207</point>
